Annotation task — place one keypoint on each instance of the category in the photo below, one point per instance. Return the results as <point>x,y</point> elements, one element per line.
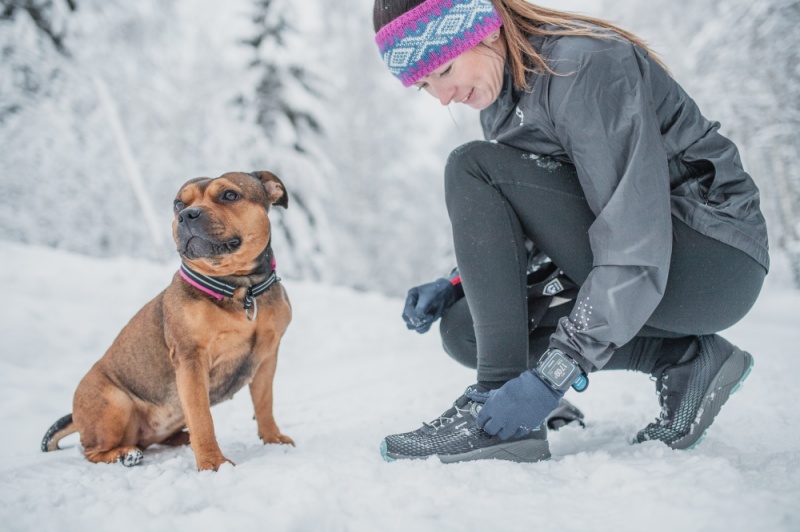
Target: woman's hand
<point>426,303</point>
<point>519,406</point>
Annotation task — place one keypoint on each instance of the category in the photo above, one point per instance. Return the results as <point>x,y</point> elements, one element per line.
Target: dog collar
<point>219,289</point>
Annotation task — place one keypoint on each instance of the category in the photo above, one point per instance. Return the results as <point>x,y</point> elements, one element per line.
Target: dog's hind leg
<point>108,422</point>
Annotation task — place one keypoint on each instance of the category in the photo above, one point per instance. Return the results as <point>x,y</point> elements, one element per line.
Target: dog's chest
<point>232,370</point>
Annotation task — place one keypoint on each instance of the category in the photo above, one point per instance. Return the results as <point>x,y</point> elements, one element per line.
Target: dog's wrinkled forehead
<point>245,184</point>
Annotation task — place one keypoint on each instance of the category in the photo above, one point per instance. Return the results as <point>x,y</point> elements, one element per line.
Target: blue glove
<point>426,303</point>
<point>519,406</point>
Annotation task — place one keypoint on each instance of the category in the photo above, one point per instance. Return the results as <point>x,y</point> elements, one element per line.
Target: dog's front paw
<point>212,462</point>
<point>275,437</point>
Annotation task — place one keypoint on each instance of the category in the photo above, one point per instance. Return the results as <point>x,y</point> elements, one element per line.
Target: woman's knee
<point>465,155</point>
<point>465,163</point>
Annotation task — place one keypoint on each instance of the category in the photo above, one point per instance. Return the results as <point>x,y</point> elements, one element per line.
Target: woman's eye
<point>447,70</point>
<point>421,87</point>
<point>179,205</point>
<point>230,195</point>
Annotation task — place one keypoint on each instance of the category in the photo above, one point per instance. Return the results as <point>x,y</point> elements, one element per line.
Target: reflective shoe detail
<point>455,437</point>
<point>692,393</point>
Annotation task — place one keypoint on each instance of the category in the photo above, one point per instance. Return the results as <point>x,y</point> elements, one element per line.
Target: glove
<point>426,303</point>
<point>519,406</point>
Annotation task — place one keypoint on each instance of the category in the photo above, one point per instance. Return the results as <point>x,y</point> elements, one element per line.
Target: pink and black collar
<point>219,289</point>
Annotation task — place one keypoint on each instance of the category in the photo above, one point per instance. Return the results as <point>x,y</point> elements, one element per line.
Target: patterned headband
<point>421,40</point>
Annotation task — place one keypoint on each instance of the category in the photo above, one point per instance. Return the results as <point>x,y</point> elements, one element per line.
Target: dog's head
<point>221,225</point>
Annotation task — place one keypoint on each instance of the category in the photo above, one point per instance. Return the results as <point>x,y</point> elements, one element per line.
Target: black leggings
<point>495,196</point>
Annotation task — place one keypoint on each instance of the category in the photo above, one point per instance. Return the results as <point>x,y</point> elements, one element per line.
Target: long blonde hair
<point>521,20</point>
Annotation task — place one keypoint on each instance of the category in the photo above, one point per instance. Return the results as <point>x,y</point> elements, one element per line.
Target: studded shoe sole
<point>517,451</point>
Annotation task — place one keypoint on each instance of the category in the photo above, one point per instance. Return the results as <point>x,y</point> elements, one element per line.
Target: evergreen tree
<point>31,33</point>
<point>281,94</point>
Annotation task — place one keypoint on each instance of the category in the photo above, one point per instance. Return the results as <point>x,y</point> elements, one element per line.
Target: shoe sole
<point>726,382</point>
<point>518,451</point>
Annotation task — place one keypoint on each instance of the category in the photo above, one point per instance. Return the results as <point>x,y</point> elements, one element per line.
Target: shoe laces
<point>457,412</point>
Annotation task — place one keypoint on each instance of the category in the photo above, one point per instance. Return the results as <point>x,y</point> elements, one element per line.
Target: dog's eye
<point>230,195</point>
<point>179,205</point>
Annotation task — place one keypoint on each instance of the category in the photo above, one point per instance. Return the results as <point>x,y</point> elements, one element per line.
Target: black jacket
<point>643,153</point>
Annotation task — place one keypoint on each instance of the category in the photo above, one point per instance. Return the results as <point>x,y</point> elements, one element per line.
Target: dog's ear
<point>276,192</point>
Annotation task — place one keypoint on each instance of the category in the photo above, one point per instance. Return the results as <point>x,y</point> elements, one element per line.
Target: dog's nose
<point>189,213</point>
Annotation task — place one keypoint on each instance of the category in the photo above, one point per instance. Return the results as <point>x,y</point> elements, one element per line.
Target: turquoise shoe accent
<point>385,453</point>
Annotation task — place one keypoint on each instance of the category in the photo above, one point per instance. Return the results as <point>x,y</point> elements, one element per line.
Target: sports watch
<point>558,370</point>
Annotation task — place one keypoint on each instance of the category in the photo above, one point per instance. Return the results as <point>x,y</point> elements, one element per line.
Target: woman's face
<point>473,78</point>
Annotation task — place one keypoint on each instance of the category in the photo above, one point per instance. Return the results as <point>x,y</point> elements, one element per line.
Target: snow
<point>349,374</point>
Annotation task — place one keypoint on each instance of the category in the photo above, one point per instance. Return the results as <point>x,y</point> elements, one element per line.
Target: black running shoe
<point>691,393</point>
<point>455,437</point>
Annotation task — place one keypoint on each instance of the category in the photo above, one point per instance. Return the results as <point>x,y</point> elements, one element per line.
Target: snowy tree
<point>283,99</point>
<point>45,115</point>
<point>170,72</point>
<point>173,89</point>
<point>32,31</point>
<point>282,79</point>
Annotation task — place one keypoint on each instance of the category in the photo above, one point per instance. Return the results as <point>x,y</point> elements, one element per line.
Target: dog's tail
<point>61,428</point>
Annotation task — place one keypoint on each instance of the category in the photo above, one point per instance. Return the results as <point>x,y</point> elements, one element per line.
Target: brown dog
<point>214,329</point>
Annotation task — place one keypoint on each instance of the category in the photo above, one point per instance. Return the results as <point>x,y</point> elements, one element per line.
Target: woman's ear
<point>490,39</point>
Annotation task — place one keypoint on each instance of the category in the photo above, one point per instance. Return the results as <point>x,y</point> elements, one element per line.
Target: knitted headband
<point>421,40</point>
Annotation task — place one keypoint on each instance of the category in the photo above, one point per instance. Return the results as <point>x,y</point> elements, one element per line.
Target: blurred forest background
<point>107,107</point>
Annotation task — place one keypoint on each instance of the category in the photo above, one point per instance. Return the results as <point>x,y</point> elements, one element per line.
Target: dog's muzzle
<point>193,237</point>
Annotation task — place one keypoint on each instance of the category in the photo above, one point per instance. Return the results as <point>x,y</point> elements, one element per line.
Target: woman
<point>598,159</point>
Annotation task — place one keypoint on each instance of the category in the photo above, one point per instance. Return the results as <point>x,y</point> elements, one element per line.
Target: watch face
<point>557,368</point>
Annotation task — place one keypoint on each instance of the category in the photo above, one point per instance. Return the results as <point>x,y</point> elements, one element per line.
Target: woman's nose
<point>441,91</point>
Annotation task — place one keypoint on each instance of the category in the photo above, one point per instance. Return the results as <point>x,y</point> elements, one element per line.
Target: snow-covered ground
<point>350,373</point>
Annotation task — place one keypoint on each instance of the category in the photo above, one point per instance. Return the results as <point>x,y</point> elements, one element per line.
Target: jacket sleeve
<point>603,116</point>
